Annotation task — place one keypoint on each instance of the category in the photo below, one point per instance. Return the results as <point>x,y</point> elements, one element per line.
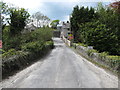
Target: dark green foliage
<point>21,49</point>
<point>10,42</point>
<point>36,40</point>
<point>18,19</point>
<point>100,29</point>
<point>54,24</point>
<point>80,16</point>
<point>98,35</point>
<point>3,11</point>
<point>4,8</point>
<point>32,45</point>
<point>41,35</point>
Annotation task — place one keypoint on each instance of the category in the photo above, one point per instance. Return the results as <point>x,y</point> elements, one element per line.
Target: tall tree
<point>41,19</point>
<point>80,16</point>
<point>18,19</point>
<point>38,16</point>
<point>54,23</point>
<point>102,33</point>
<point>74,21</point>
<point>4,11</point>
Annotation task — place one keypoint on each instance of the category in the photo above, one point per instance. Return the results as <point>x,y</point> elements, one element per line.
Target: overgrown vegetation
<point>54,24</point>
<point>17,21</point>
<point>81,16</point>
<point>82,44</point>
<point>18,52</point>
<point>21,49</point>
<point>99,28</point>
<point>91,51</point>
<point>12,37</point>
<point>31,42</point>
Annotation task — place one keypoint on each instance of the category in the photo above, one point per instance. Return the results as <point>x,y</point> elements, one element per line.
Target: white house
<point>64,28</point>
<point>29,27</point>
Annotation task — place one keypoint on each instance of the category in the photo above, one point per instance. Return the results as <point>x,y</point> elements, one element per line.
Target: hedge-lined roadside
<point>103,59</point>
<point>21,50</point>
<point>97,27</point>
<point>19,61</point>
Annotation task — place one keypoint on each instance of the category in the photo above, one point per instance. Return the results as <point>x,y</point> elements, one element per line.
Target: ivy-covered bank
<point>24,49</point>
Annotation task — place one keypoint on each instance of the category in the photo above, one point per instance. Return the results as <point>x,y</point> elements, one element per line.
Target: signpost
<point>70,37</point>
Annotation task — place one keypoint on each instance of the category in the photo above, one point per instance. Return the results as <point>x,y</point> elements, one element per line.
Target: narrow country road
<point>62,68</point>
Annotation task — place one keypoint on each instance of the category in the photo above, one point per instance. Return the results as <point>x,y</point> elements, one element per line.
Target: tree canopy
<point>42,20</point>
<point>54,23</point>
<point>81,15</point>
<point>18,19</point>
<point>99,27</point>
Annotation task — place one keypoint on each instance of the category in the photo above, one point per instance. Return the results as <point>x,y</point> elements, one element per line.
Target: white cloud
<point>52,8</point>
<point>66,18</point>
<point>33,4</point>
<point>28,4</point>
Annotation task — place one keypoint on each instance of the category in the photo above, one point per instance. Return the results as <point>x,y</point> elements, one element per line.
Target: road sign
<point>0,43</point>
<point>70,37</point>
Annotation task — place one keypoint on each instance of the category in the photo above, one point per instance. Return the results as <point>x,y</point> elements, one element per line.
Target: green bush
<point>114,57</point>
<point>82,44</point>
<point>91,51</point>
<point>100,37</point>
<point>1,50</point>
<point>36,46</point>
<point>81,15</point>
<point>10,42</point>
<point>114,61</point>
<point>9,53</point>
<point>99,28</point>
<point>41,35</point>
<point>103,55</point>
<point>33,46</point>
<point>37,40</point>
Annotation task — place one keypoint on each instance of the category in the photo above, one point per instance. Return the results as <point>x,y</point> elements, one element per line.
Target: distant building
<point>59,27</point>
<point>29,28</point>
<point>64,29</point>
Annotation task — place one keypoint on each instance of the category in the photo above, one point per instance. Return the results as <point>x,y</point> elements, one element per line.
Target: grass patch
<point>82,44</point>
<point>114,57</point>
<point>91,51</point>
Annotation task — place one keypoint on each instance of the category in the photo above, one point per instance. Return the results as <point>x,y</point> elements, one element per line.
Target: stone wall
<point>104,61</point>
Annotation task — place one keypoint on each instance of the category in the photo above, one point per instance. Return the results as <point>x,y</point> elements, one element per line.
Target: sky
<point>54,9</point>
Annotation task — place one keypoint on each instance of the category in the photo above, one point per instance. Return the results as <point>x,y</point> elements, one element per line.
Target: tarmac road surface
<point>62,68</point>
